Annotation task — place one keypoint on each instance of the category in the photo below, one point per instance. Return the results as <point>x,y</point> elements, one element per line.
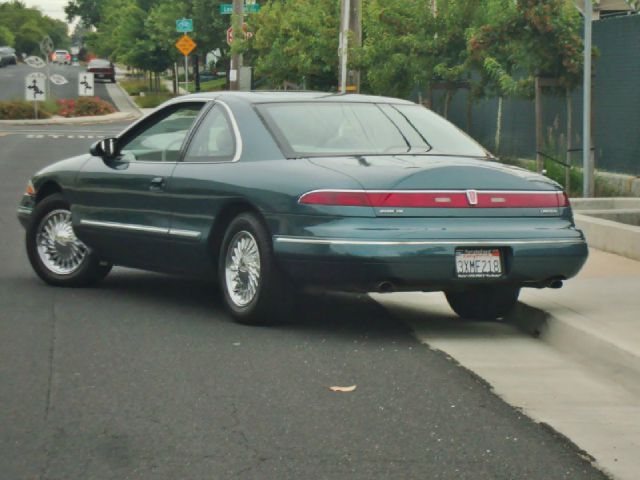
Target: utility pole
<point>350,26</point>
<point>237,19</point>
<point>587,159</point>
<point>344,43</point>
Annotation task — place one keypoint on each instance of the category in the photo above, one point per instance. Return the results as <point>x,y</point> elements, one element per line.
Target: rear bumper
<point>361,264</point>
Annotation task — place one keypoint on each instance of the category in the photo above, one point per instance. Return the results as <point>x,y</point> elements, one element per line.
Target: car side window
<point>162,140</point>
<point>214,140</point>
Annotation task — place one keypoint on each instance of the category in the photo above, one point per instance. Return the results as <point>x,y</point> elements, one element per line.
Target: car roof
<point>263,96</point>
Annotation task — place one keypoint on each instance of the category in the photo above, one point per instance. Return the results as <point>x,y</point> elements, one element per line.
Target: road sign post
<point>35,89</point>
<point>46,47</point>
<point>186,45</point>
<point>86,85</point>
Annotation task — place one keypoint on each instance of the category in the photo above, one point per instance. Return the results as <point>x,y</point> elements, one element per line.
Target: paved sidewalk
<point>569,358</point>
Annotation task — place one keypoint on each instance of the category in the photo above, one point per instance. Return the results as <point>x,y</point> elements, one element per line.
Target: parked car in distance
<point>102,69</point>
<point>273,191</point>
<point>8,56</point>
<point>61,57</point>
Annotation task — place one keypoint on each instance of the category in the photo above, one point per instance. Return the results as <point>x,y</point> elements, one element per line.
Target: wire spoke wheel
<point>242,268</point>
<point>60,251</point>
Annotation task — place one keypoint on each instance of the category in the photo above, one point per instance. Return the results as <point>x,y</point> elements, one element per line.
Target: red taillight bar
<point>436,199</point>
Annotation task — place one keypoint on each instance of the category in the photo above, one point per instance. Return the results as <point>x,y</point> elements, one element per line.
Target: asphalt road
<point>146,376</point>
<point>12,78</point>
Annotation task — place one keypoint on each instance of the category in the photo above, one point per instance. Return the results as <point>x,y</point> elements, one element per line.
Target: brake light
<point>563,199</point>
<point>436,199</point>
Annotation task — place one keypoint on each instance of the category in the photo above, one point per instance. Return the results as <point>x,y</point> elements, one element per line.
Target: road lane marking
<point>54,136</point>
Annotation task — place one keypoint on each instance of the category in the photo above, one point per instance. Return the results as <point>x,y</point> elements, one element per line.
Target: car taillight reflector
<point>436,199</point>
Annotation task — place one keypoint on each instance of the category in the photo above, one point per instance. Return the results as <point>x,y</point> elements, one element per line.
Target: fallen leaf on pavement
<point>343,389</point>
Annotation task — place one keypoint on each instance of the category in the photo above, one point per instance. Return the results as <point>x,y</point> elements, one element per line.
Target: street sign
<point>58,79</point>
<point>185,45</point>
<point>245,30</point>
<point>35,87</point>
<point>184,25</point>
<point>227,8</point>
<point>85,85</point>
<point>46,46</point>
<point>35,62</point>
<point>75,50</point>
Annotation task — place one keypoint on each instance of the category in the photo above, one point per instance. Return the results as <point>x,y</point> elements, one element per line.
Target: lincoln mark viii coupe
<point>270,192</point>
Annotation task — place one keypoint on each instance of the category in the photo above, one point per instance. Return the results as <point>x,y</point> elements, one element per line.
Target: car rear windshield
<point>315,129</point>
<point>100,63</point>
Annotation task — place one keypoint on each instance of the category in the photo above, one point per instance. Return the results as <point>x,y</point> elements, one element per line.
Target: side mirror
<point>106,148</point>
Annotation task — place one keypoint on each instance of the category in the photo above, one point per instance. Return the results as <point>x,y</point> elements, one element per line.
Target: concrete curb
<point>613,237</point>
<point>568,333</point>
<point>112,117</point>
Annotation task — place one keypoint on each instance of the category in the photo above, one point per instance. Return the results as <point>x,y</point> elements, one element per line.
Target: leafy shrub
<point>84,107</point>
<point>135,86</point>
<point>23,110</point>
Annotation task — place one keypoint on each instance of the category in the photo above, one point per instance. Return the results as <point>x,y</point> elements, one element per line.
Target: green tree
<point>297,41</point>
<point>525,39</point>
<point>28,26</point>
<point>6,37</point>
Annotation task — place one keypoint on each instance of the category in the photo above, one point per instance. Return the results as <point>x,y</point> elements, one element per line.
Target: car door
<point>121,206</point>
<point>199,186</point>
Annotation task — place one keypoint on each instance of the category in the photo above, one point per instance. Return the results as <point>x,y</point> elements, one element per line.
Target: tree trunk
<point>539,139</point>
<point>567,169</point>
<point>498,126</point>
<point>447,102</point>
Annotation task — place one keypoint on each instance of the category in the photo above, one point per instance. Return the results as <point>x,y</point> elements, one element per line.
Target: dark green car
<point>270,192</point>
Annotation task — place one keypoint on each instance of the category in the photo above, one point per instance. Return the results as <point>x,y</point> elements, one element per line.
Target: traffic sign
<point>34,87</point>
<point>46,46</point>
<point>227,8</point>
<point>245,30</point>
<point>85,85</point>
<point>185,45</point>
<point>184,25</point>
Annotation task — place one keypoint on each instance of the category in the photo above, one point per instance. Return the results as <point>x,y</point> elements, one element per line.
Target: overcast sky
<point>52,8</point>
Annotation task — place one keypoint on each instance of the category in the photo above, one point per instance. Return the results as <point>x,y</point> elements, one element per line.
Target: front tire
<point>254,289</point>
<point>57,256</point>
<point>484,303</point>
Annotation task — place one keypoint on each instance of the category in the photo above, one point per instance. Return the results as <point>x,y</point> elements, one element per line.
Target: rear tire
<point>57,256</point>
<point>254,289</point>
<point>484,303</point>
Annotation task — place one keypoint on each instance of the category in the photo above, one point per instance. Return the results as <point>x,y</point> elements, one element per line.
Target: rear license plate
<point>478,263</point>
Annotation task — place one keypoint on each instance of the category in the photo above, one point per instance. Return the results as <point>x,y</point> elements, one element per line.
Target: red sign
<point>247,34</point>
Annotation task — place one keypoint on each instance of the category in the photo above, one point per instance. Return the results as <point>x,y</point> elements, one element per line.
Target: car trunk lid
<point>439,185</point>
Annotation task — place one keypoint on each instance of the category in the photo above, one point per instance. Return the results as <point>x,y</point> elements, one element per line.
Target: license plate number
<point>478,263</point>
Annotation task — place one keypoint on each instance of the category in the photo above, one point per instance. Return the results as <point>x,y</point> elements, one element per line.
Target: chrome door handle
<point>157,183</point>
